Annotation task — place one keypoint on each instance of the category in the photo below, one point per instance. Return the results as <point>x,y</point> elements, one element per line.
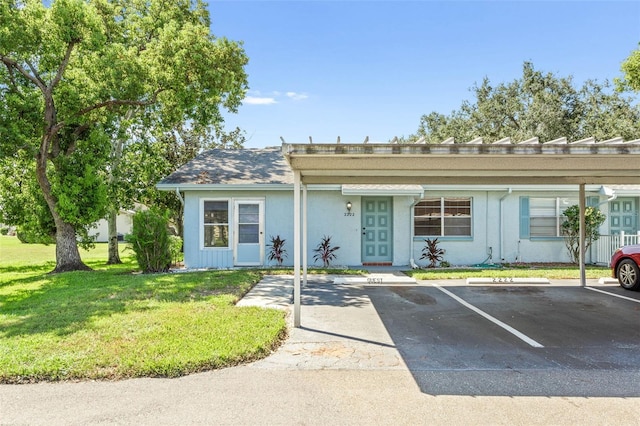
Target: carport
<point>580,163</point>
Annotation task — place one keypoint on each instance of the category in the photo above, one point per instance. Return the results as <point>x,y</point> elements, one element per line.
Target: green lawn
<point>111,323</point>
<point>513,271</point>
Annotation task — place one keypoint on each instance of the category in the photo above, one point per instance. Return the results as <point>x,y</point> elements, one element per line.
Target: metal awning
<point>383,190</point>
<point>530,162</point>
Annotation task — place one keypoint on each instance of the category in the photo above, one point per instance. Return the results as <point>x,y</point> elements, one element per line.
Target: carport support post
<point>304,235</point>
<point>581,245</point>
<point>296,248</point>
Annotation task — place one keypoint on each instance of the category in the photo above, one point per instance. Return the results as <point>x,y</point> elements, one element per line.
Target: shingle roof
<point>234,167</point>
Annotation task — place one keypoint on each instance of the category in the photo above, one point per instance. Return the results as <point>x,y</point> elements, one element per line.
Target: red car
<point>624,266</point>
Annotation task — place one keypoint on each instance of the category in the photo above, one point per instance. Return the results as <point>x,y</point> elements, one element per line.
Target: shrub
<point>432,252</point>
<point>4,230</point>
<point>175,248</point>
<point>150,240</point>
<point>276,250</point>
<point>571,229</point>
<point>325,252</point>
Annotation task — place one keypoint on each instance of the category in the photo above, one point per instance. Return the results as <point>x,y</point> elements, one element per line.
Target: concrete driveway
<point>394,354</point>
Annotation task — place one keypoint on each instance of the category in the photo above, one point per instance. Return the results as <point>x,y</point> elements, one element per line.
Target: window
<point>442,217</point>
<point>248,223</point>
<point>216,223</point>
<point>546,215</point>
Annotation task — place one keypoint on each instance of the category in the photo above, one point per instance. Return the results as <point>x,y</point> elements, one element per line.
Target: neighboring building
<point>124,225</point>
<point>235,200</point>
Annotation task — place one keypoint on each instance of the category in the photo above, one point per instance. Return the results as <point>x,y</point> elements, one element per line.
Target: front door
<point>248,248</point>
<point>377,230</point>
<point>623,216</point>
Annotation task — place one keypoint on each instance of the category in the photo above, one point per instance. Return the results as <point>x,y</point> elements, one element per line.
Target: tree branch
<point>36,75</point>
<point>63,65</point>
<point>12,63</point>
<point>121,102</point>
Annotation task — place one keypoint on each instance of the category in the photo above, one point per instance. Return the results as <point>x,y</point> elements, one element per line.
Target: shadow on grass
<point>65,303</point>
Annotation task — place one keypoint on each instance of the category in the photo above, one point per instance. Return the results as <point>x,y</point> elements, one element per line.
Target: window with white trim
<point>442,216</point>
<point>546,215</point>
<point>216,223</point>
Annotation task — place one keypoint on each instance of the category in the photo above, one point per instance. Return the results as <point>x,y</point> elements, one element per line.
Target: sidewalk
<point>340,328</point>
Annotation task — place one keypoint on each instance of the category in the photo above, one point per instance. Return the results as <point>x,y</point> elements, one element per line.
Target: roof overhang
<point>467,164</point>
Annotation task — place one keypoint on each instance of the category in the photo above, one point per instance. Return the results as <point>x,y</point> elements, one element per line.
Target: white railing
<point>602,249</point>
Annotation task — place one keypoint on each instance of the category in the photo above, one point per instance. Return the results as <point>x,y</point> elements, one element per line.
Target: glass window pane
<point>216,212</point>
<point>457,207</point>
<point>216,236</point>
<point>457,226</point>
<point>248,213</point>
<point>543,227</point>
<point>427,226</point>
<point>249,234</point>
<point>430,212</point>
<point>542,207</point>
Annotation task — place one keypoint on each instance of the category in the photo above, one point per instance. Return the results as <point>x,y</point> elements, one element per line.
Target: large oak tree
<point>70,75</point>
<point>537,104</point>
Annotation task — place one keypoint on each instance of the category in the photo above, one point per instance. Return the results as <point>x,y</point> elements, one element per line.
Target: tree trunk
<point>114,255</point>
<point>67,253</point>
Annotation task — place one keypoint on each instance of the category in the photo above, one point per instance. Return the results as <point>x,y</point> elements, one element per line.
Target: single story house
<point>235,201</point>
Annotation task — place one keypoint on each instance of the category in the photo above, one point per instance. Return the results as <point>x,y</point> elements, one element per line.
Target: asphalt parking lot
<point>558,339</point>
<point>436,352</point>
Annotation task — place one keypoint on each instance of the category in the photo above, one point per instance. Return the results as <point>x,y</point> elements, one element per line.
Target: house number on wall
<point>349,214</point>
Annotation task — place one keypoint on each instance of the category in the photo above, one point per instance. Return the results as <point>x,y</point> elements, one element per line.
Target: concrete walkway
<point>340,368</point>
<point>340,328</point>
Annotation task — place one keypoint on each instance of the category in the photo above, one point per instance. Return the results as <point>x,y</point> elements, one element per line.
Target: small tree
<point>432,252</point>
<point>276,250</point>
<point>150,241</point>
<point>325,251</point>
<point>571,229</point>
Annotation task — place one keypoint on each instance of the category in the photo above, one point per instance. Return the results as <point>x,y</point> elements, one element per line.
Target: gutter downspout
<point>501,227</point>
<point>179,196</point>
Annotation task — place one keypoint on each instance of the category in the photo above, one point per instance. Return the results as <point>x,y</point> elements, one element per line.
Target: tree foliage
<point>539,105</point>
<point>70,75</point>
<point>631,70</point>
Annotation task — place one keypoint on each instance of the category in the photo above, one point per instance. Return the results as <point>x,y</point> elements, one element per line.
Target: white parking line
<point>613,294</point>
<point>496,321</point>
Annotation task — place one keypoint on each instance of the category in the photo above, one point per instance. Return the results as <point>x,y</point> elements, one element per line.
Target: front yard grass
<point>111,323</point>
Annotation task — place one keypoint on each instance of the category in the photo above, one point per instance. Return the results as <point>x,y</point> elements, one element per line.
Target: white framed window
<point>443,217</point>
<point>215,223</point>
<point>546,215</point>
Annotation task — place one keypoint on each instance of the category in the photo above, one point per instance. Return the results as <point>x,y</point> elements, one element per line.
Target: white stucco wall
<point>124,225</point>
<point>495,228</point>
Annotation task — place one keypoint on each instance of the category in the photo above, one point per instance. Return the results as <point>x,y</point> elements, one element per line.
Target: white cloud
<point>296,96</point>
<point>254,100</point>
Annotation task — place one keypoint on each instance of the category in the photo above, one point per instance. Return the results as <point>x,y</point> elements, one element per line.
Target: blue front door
<point>377,230</point>
<point>623,216</point>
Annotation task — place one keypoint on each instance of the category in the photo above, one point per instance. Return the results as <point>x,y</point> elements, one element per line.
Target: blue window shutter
<point>592,201</point>
<point>524,217</point>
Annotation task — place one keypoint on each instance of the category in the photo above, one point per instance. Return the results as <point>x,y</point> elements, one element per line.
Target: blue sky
<point>373,68</point>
